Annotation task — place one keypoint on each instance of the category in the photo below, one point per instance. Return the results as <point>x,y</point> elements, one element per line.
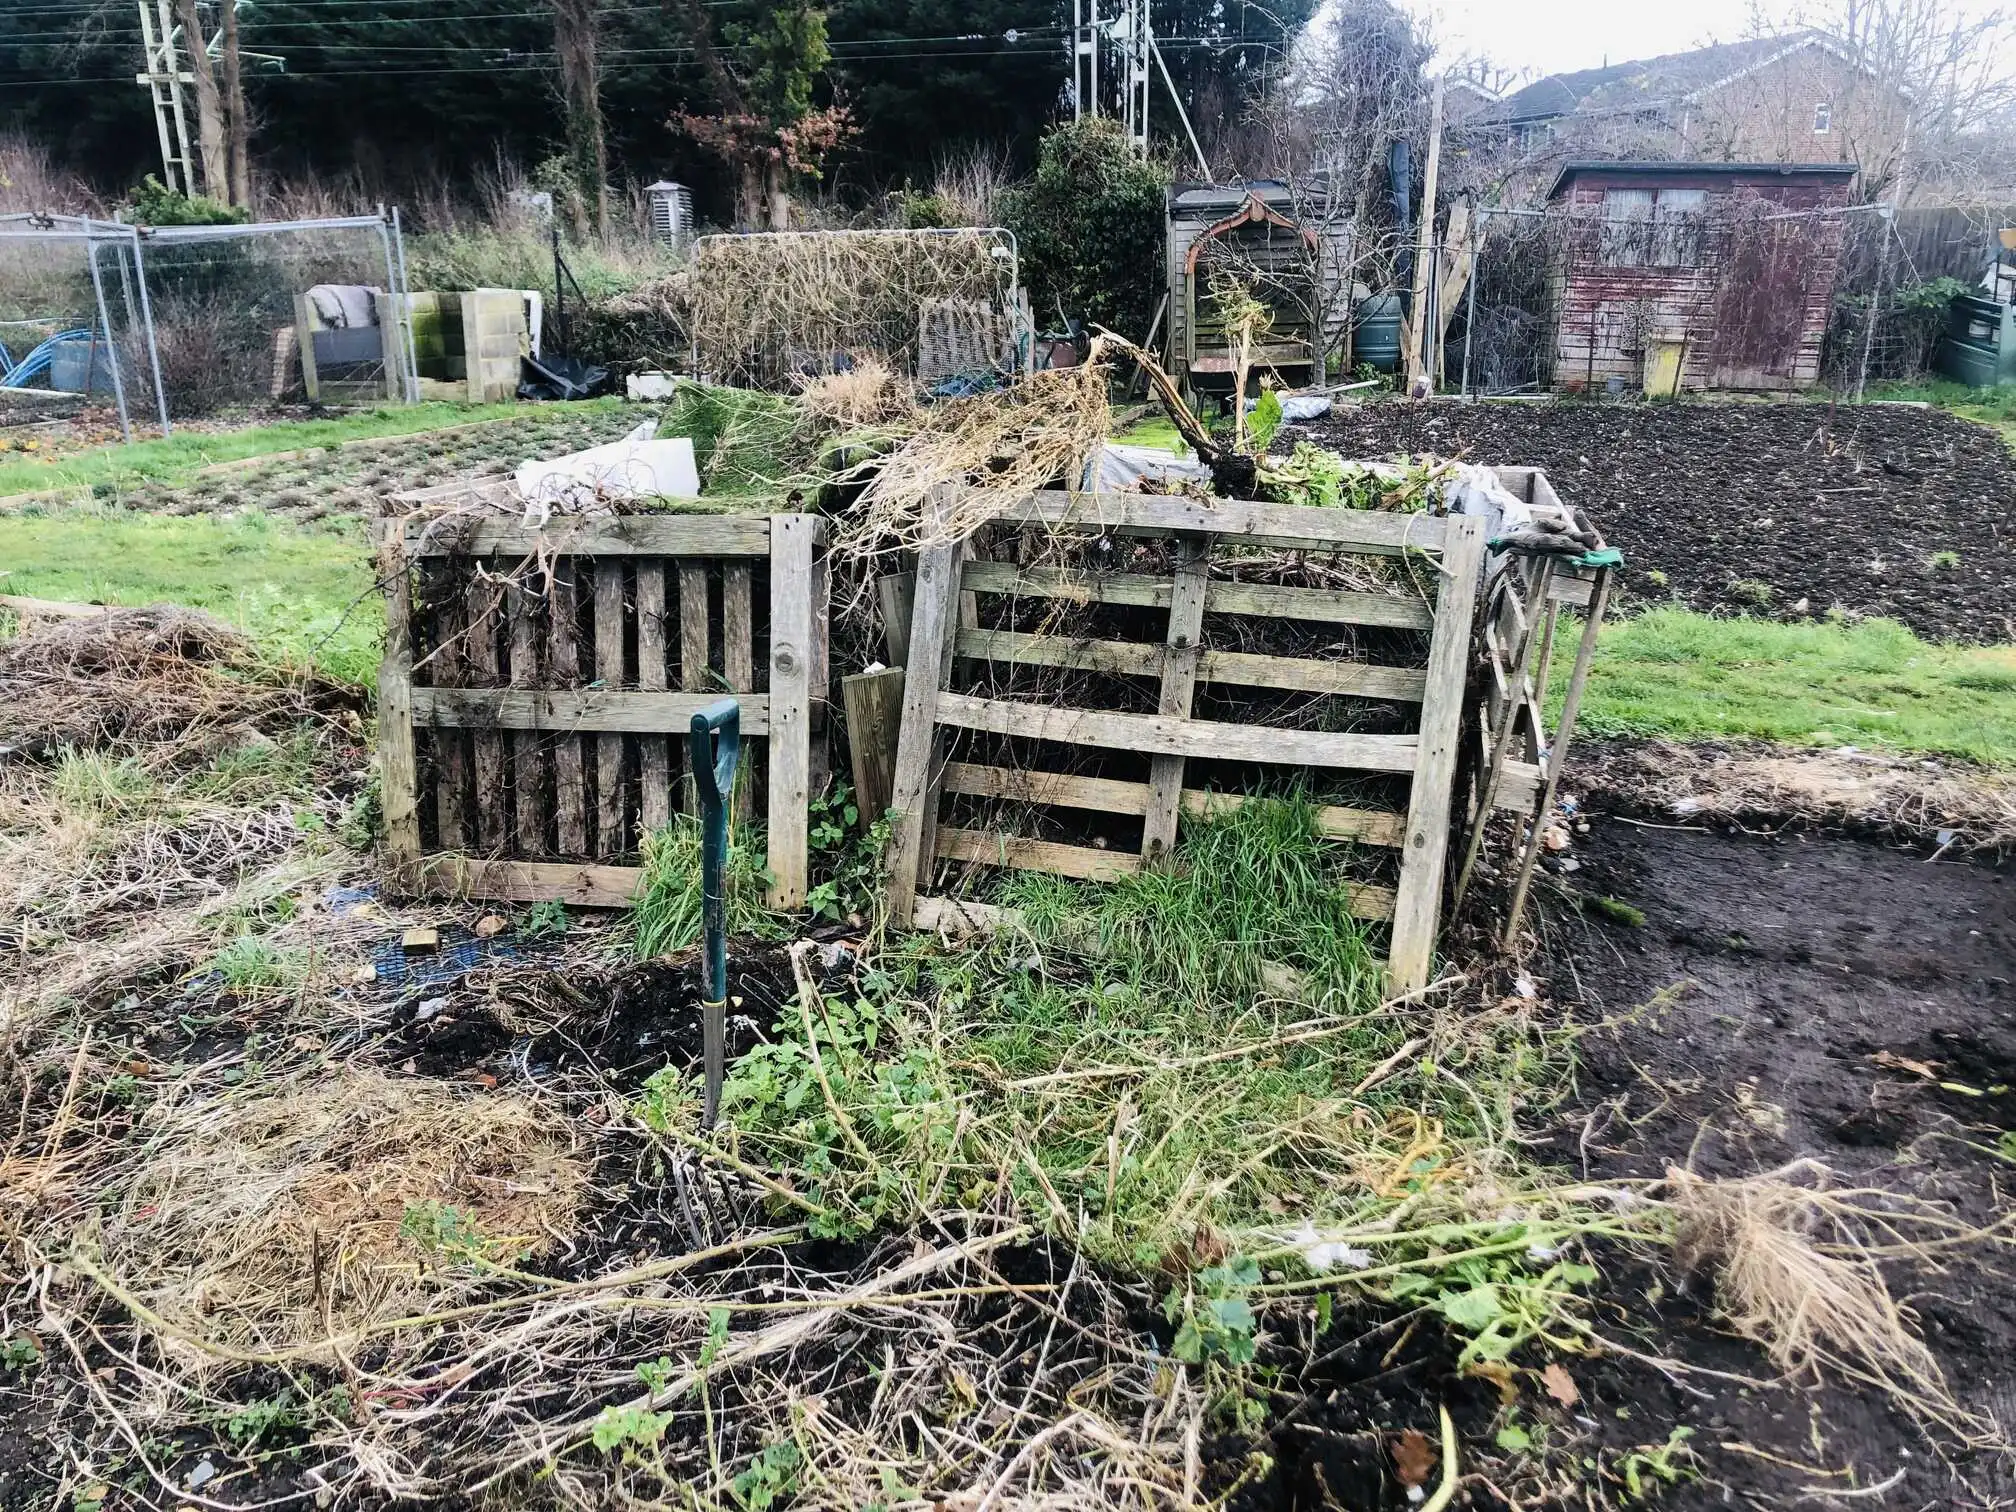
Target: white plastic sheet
<point>640,466</point>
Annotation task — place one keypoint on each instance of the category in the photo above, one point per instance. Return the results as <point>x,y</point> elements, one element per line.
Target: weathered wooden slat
<point>563,664</point>
<point>1104,795</point>
<point>579,886</point>
<point>738,659</point>
<point>1424,858</point>
<point>1239,523</point>
<point>1365,900</point>
<point>1155,735</point>
<point>528,776</point>
<point>1179,684</point>
<point>1233,668</point>
<point>1325,605</point>
<point>589,710</point>
<point>398,765</point>
<point>449,666</point>
<point>1077,861</point>
<point>485,601</point>
<point>618,535</point>
<point>912,791</point>
<point>792,540</point>
<point>609,672</point>
<point>654,754</point>
<point>895,597</point>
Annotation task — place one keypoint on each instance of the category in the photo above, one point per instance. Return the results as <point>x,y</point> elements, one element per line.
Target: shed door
<point>1763,313</point>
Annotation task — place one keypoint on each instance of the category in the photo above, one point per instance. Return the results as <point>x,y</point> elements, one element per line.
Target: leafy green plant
<point>769,1478</point>
<point>153,203</point>
<point>1942,561</point>
<point>1265,420</point>
<point>20,1353</point>
<point>1751,591</point>
<point>665,1102</point>
<point>1657,578</point>
<point>628,1429</point>
<point>1618,911</point>
<point>543,921</point>
<point>1650,1468</point>
<point>1500,1304</point>
<point>847,860</point>
<point>1219,1324</point>
<point>249,1424</point>
<point>447,1233</point>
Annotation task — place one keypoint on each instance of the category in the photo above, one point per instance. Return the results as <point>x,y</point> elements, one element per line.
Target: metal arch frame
<point>1027,341</point>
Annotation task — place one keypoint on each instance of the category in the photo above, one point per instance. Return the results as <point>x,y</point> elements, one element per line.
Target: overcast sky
<point>1554,36</point>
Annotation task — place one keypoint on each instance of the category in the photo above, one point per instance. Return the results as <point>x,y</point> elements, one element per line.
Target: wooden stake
<point>874,704</point>
<point>1179,687</point>
<point>791,652</point>
<point>1424,240</point>
<point>397,768</point>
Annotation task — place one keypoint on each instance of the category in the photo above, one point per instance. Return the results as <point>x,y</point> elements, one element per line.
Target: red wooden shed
<point>1695,275</point>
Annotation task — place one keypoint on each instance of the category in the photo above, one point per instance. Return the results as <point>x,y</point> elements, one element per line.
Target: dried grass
<point>1797,1270</point>
<point>1759,783</point>
<point>1039,434</point>
<point>280,1219</point>
<point>867,394</point>
<point>160,675</point>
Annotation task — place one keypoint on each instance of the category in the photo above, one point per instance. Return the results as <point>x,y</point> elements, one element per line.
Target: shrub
<point>155,204</point>
<point>1091,226</point>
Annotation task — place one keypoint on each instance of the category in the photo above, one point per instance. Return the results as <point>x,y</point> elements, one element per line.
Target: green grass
<point>178,456</point>
<point>1676,673</point>
<point>302,593</point>
<point>1156,430</point>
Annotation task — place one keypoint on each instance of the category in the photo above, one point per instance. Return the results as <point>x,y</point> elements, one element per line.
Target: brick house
<point>1797,98</point>
<point>1678,275</point>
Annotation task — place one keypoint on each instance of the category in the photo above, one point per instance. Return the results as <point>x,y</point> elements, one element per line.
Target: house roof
<point>1661,169</point>
<point>1645,82</point>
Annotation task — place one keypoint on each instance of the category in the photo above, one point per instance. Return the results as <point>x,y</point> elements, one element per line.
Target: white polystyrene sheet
<point>640,466</point>
<point>1122,469</point>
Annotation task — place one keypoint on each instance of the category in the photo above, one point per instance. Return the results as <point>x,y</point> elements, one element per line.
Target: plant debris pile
<point>1788,511</point>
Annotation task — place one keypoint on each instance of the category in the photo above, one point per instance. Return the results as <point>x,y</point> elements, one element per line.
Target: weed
<point>769,1478</point>
<point>847,860</point>
<point>543,921</point>
<point>249,1424</point>
<point>1618,911</point>
<point>667,912</point>
<point>1223,1328</point>
<point>252,964</point>
<point>258,770</point>
<point>364,819</point>
<point>1751,591</point>
<point>1942,561</point>
<point>664,1103</point>
<point>20,1354</point>
<point>1649,1468</point>
<point>94,784</point>
<point>628,1429</point>
<point>447,1233</point>
<point>1657,578</point>
<point>1500,1304</point>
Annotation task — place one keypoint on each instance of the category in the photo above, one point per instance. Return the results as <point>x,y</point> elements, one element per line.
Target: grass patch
<point>302,592</point>
<point>667,913</point>
<point>170,458</point>
<point>1158,431</point>
<point>1677,673</point>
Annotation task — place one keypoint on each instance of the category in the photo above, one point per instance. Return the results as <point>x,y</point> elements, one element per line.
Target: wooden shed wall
<point>1753,313</point>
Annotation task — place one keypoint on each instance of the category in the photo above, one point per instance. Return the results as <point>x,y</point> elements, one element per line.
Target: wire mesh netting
<point>182,322</point>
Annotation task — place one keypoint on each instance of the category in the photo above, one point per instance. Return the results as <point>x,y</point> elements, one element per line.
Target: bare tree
<point>577,38</point>
<point>237,124</point>
<point>210,132</point>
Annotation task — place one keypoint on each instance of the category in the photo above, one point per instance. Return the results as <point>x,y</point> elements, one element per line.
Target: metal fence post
<point>111,347</point>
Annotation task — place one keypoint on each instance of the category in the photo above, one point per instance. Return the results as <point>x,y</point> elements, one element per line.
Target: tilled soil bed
<point>1786,510</point>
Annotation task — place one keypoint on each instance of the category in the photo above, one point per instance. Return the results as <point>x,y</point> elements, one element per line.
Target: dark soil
<point>1758,509</point>
<point>1791,977</point>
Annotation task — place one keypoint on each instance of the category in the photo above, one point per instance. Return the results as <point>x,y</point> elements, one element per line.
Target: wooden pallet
<point>946,635</point>
<point>537,688</point>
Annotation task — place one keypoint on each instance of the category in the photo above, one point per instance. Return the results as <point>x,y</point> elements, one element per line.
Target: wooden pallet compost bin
<point>1026,693</point>
<point>538,686</point>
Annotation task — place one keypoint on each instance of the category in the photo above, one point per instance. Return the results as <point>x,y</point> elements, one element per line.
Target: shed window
<point>1823,118</point>
<point>1652,228</point>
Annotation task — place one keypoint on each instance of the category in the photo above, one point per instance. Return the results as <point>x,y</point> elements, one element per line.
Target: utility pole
<point>164,83</point>
<point>1135,39</point>
<point>1085,25</point>
<point>1424,244</point>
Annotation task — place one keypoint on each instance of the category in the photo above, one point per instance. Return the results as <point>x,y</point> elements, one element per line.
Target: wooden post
<point>563,661</point>
<point>792,539</point>
<point>450,659</point>
<point>874,703</point>
<point>304,327</point>
<point>528,762</point>
<point>1424,241</point>
<point>693,647</point>
<point>1418,906</point>
<point>485,601</point>
<point>1179,685</point>
<point>398,773</point>
<point>911,788</point>
<point>738,659</point>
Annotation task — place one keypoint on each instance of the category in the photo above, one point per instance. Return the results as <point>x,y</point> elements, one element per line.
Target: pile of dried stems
<point>767,308</point>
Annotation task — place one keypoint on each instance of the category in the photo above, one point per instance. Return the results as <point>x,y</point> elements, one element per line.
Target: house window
<point>1652,228</point>
<point>1823,118</point>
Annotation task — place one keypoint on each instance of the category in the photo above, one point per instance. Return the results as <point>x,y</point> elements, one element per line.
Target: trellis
<point>1206,541</point>
<point>537,686</point>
